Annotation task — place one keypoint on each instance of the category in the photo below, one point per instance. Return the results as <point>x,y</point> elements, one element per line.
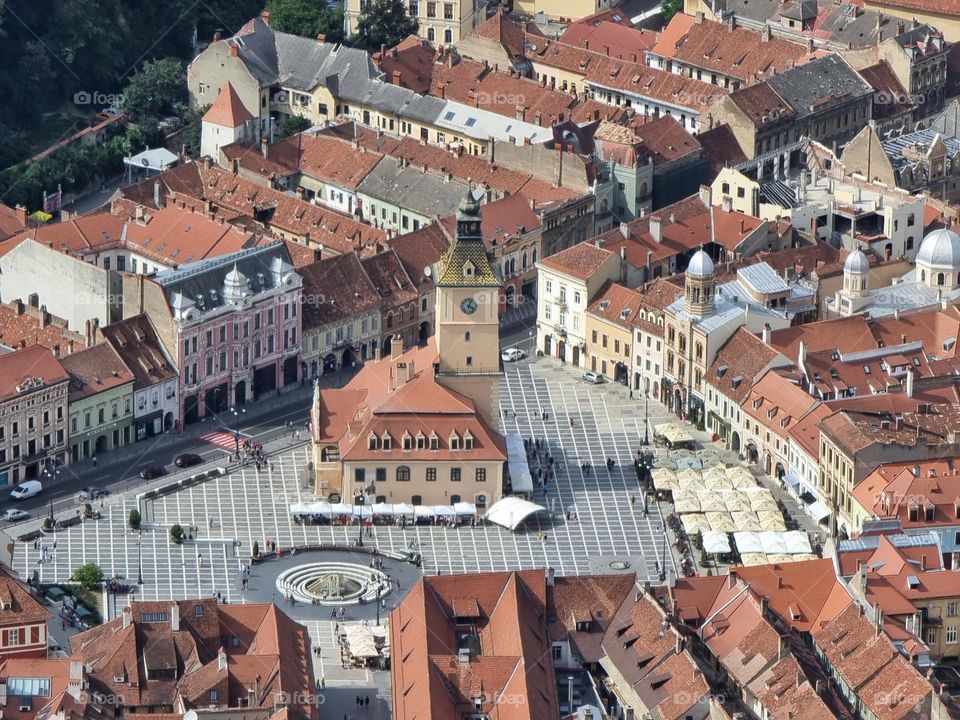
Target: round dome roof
<point>857,263</point>
<point>940,250</point>
<point>700,265</point>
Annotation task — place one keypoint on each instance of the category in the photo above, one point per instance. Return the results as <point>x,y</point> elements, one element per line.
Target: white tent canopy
<point>511,511</point>
<point>797,542</point>
<point>715,542</point>
<point>465,508</point>
<point>748,543</point>
<point>444,511</point>
<point>520,479</point>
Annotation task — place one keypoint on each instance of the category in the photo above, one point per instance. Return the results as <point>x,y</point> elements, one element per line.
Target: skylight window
<point>471,122</point>
<point>449,115</point>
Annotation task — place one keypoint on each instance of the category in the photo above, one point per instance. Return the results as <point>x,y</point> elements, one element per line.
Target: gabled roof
<point>579,261</point>
<point>18,369</point>
<point>616,303</point>
<point>228,109</point>
<point>336,289</point>
<point>501,30</point>
<point>738,363</point>
<point>408,64</point>
<point>135,340</point>
<point>95,370</point>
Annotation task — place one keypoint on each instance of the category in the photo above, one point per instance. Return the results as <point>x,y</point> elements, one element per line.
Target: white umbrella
<point>664,479</point>
<point>717,482</point>
<point>780,558</point>
<point>797,542</point>
<point>748,542</point>
<point>685,504</point>
<point>741,481</point>
<point>694,523</point>
<point>721,522</point>
<point>714,472</point>
<point>716,542</point>
<point>771,520</point>
<point>751,559</point>
<point>773,543</point>
<point>712,502</point>
<point>688,475</point>
<point>664,462</point>
<point>746,521</point>
<point>735,501</point>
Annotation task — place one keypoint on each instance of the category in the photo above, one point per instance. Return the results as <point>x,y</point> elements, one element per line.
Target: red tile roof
<point>64,698</point>
<point>501,221</point>
<point>738,364</point>
<point>94,370</point>
<point>639,79</point>
<point>590,599</point>
<point>579,261</point>
<point>617,304</point>
<point>721,147</point>
<point>228,109</point>
<point>24,608</point>
<point>135,340</point>
<point>739,53</point>
<point>758,102</point>
<point>335,289</point>
<point>934,7</point>
<point>429,679</point>
<point>925,498</point>
<point>620,39</point>
<point>32,362</point>
<point>777,403</point>
<point>890,99</point>
<point>10,221</point>
<point>501,30</point>
<point>420,250</point>
<point>22,326</point>
<point>408,64</point>
<point>75,236</point>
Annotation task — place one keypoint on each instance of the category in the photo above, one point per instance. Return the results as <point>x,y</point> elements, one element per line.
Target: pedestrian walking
<point>366,701</point>
<point>94,458</point>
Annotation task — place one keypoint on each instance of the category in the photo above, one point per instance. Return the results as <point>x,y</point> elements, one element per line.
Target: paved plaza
<point>232,511</point>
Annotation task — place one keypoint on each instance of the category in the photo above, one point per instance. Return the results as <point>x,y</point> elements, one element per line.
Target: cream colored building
<point>566,283</point>
<point>442,23</point>
<point>610,319</point>
<point>936,14</point>
<point>567,9</point>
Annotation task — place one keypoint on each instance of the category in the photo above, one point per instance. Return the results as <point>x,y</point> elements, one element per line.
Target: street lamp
<point>379,590</point>
<point>646,418</point>
<point>237,414</point>
<point>358,502</point>
<point>139,557</point>
<point>666,541</point>
<point>52,477</point>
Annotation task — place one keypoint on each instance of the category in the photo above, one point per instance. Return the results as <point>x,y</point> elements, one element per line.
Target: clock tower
<point>467,301</point>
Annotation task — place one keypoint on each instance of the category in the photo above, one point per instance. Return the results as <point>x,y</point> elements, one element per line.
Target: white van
<point>26,489</point>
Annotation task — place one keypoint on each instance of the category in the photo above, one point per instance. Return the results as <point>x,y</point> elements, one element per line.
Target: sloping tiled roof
<point>32,362</point>
<point>619,38</point>
<point>94,370</point>
<point>579,261</point>
<point>335,289</point>
<point>501,30</point>
<point>501,221</point>
<point>738,363</point>
<point>228,109</point>
<point>616,303</point>
<point>639,79</point>
<point>135,341</point>
<point>10,222</point>
<point>22,326</point>
<point>413,59</point>
<point>721,147</point>
<point>513,661</point>
<point>420,250</point>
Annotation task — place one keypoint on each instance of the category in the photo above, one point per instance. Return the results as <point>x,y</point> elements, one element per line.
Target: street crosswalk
<point>223,439</point>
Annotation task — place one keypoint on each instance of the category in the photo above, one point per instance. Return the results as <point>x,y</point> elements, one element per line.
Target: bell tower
<point>467,301</point>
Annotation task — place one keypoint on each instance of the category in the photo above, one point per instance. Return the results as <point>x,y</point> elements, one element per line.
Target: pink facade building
<point>233,323</point>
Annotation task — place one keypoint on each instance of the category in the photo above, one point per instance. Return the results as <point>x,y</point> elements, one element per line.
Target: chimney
<point>127,616</point>
<point>625,230</point>
<point>698,17</point>
<point>396,347</point>
<point>265,15</point>
<point>236,166</point>
<point>321,37</point>
<point>766,333</point>
<point>157,200</point>
<point>910,381</point>
<point>221,659</point>
<point>779,582</point>
<point>383,50</point>
<point>726,205</point>
<point>784,649</point>
<point>234,49</point>
<point>923,563</point>
<point>679,644</point>
<point>397,76</point>
<point>175,617</point>
<point>551,574</point>
<point>521,112</point>
<point>18,306</point>
<point>880,19</point>
<point>706,195</point>
<point>264,146</point>
<point>765,34</point>
<point>731,578</point>
<point>656,227</point>
<point>44,316</point>
<point>21,214</point>
<point>216,36</point>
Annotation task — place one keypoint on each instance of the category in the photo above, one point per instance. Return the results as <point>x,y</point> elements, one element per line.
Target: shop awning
<point>818,511</point>
<point>791,479</point>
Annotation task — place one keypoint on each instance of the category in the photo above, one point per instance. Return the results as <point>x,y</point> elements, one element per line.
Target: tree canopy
<point>308,18</point>
<point>669,8</point>
<point>385,22</point>
<point>155,89</point>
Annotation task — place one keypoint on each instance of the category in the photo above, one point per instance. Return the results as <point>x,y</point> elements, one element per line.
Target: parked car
<point>152,471</point>
<point>512,355</point>
<point>26,489</point>
<point>15,514</point>
<point>185,460</point>
<point>592,377</point>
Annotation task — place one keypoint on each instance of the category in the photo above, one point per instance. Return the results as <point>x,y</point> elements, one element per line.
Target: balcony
<point>561,301</point>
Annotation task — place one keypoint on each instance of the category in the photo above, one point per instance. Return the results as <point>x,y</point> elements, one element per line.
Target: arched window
<point>403,474</point>
<point>643,189</point>
<point>389,320</point>
<point>940,278</point>
<point>400,316</point>
<point>923,276</point>
<point>466,337</point>
<point>372,442</point>
<point>523,260</point>
<point>534,260</point>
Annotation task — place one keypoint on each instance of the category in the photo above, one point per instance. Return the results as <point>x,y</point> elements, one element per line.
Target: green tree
<point>308,18</point>
<point>192,125</point>
<point>89,576</point>
<point>669,8</point>
<point>156,88</point>
<point>256,550</point>
<point>385,22</point>
<point>291,125</point>
<point>134,520</point>
<point>176,533</point>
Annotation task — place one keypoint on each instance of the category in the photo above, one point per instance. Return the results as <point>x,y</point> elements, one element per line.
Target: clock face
<point>469,306</point>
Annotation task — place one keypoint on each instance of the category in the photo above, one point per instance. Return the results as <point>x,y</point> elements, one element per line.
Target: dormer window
<point>468,441</point>
<point>454,442</point>
<point>386,442</point>
<point>434,441</point>
<point>421,441</point>
<point>468,269</point>
<point>372,442</point>
<point>407,442</point>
